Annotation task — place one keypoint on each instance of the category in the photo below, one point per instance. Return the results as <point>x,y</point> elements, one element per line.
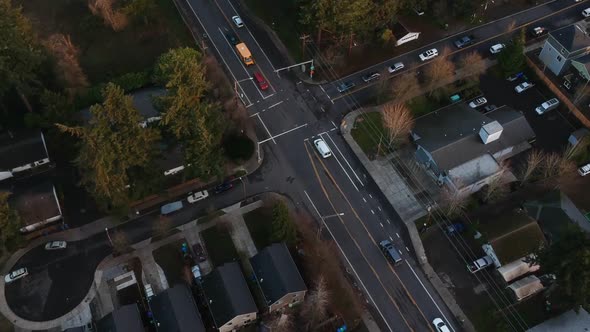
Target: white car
<point>199,195</point>
<point>547,106</point>
<point>495,49</point>
<point>478,102</point>
<point>440,325</point>
<point>395,67</point>
<point>53,245</point>
<point>586,12</point>
<point>584,170</point>
<point>430,54</point>
<point>522,87</point>
<point>16,274</point>
<point>322,148</point>
<point>196,272</point>
<point>238,21</point>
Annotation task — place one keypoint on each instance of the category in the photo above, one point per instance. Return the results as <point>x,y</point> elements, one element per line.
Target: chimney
<point>490,132</point>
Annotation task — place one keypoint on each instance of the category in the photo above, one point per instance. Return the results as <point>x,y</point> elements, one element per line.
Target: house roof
<point>276,272</point>
<point>35,201</point>
<point>175,310</point>
<point>142,101</point>
<point>549,214</point>
<point>566,322</point>
<point>21,149</point>
<point>228,293</point>
<point>123,319</point>
<point>451,134</point>
<point>573,37</point>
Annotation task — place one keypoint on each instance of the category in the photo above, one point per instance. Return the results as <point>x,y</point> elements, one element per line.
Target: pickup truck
<point>480,264</point>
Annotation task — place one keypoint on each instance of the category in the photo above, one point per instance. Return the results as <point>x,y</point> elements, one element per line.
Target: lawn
<point>259,225</point>
<point>367,131</point>
<point>219,245</point>
<point>169,258</point>
<point>282,17</point>
<point>422,105</point>
<point>105,54</point>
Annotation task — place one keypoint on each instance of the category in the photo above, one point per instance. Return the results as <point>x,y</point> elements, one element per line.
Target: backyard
<point>219,245</point>
<point>169,258</point>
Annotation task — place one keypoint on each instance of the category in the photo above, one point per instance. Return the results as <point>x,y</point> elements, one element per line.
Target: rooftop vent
<point>490,132</point>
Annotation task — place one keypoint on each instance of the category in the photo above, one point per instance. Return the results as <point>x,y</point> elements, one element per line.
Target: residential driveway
<point>552,129</point>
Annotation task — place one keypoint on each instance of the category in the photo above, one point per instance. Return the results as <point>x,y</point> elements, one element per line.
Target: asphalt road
<point>289,116</point>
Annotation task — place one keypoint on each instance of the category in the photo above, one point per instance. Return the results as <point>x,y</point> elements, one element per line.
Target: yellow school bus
<point>245,54</point>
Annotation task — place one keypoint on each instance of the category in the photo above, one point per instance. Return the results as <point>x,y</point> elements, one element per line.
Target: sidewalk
<point>401,198</point>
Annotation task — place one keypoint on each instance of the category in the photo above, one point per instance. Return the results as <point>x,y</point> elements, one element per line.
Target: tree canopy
<point>512,59</point>
<point>111,145</point>
<point>10,224</point>
<point>20,54</point>
<point>283,229</point>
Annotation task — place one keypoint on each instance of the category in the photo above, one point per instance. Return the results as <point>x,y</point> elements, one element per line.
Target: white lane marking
<point>321,87</point>
<point>322,108</point>
<point>370,195</point>
<point>341,166</point>
<point>389,222</point>
<point>256,41</point>
<point>391,239</point>
<point>397,235</point>
<point>364,200</point>
<point>333,124</point>
<point>373,212</point>
<point>331,100</point>
<point>379,208</point>
<point>331,130</point>
<point>381,224</point>
<point>255,114</point>
<point>277,104</point>
<point>281,134</point>
<point>222,58</point>
<point>400,252</point>
<point>350,264</point>
<point>347,163</point>
<point>407,249</point>
<point>269,134</point>
<point>267,96</point>
<point>430,296</point>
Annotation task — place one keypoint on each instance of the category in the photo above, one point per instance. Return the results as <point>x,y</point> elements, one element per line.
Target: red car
<point>262,84</point>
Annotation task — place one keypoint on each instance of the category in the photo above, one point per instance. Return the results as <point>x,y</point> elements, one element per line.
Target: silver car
<point>54,245</point>
<point>16,274</point>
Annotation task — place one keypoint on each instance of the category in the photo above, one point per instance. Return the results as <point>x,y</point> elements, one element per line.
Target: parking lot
<point>552,128</point>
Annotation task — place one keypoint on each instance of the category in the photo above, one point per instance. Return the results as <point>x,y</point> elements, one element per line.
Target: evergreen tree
<point>282,228</point>
<point>10,224</point>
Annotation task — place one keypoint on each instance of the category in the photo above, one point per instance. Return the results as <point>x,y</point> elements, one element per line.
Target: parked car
<point>171,207</point>
<point>455,228</point>
<point>522,87</point>
<point>322,148</point>
<point>56,245</point>
<point>495,49</point>
<point>478,102</point>
<point>232,38</point>
<point>199,252</point>
<point>238,21</point>
<point>440,325</point>
<point>16,274</point>
<point>464,41</point>
<point>516,76</point>
<point>371,77</point>
<point>429,54</point>
<point>586,12</point>
<point>395,67</point>
<point>584,170</point>
<point>538,32</point>
<point>222,187</point>
<point>547,106</point>
<point>480,264</point>
<point>390,252</point>
<point>199,195</point>
<point>196,270</point>
<point>489,108</point>
<point>345,86</point>
<point>262,84</point>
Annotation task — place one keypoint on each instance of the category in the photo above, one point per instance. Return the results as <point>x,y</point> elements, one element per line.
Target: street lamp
<point>323,218</point>
<point>106,229</point>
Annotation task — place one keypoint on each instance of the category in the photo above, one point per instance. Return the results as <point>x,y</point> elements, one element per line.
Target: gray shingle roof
<point>19,150</point>
<point>176,311</point>
<point>34,200</point>
<point>451,134</point>
<point>276,272</point>
<point>567,322</point>
<point>124,319</point>
<point>227,293</point>
<point>573,37</point>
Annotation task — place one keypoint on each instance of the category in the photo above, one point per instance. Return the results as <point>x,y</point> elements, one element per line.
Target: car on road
<point>54,245</point>
<point>196,270</point>
<point>547,106</point>
<point>395,67</point>
<point>390,252</point>
<point>373,76</point>
<point>429,54</point>
<point>322,148</point>
<point>538,32</point>
<point>480,264</point>
<point>440,325</point>
<point>584,170</point>
<point>171,207</point>
<point>522,87</point>
<point>16,274</point>
<point>232,38</point>
<point>478,102</point>
<point>586,12</point>
<point>489,108</point>
<point>464,41</point>
<point>238,21</point>
<point>199,195</point>
<point>222,187</point>
<point>262,84</point>
<point>497,48</point>
<point>345,86</point>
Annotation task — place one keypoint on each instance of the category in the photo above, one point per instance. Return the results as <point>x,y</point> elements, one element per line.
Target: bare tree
<point>556,169</point>
<point>284,322</point>
<point>453,203</point>
<point>315,308</point>
<point>534,162</point>
<point>441,69</point>
<point>162,226</point>
<point>120,242</point>
<point>474,65</point>
<point>112,17</point>
<point>405,87</point>
<point>497,188</point>
<point>399,121</point>
<point>68,64</point>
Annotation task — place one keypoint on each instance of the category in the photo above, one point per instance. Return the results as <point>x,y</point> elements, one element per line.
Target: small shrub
<point>238,147</point>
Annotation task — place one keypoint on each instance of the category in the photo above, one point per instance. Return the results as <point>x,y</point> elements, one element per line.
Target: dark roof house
<point>229,296</point>
<point>276,273</point>
<point>569,45</point>
<point>569,321</point>
<point>22,152</point>
<point>124,319</point>
<point>175,310</point>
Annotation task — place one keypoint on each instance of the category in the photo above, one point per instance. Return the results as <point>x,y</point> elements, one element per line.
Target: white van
<point>495,49</point>
<point>547,106</point>
<point>586,12</point>
<point>322,148</point>
<point>584,170</point>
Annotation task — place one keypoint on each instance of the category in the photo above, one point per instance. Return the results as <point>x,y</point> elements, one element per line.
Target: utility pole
<point>303,43</point>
